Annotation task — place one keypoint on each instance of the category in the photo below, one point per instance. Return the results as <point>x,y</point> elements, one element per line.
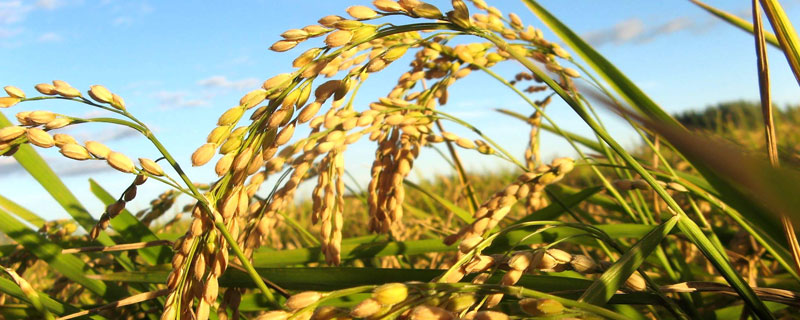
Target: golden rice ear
<point>390,293</point>
<point>75,151</point>
<point>361,12</point>
<point>46,89</point>
<point>283,45</point>
<point>388,5</point>
<point>14,92</point>
<point>40,138</point>
<point>6,102</point>
<point>338,38</point>
<point>302,300</point>
<point>203,154</point>
<point>151,167</point>
<point>101,94</point>
<point>98,149</point>
<point>11,133</point>
<point>120,162</point>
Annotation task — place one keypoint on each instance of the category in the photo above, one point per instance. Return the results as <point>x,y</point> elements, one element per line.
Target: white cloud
<point>122,21</point>
<point>49,4</point>
<point>9,32</point>
<point>50,37</point>
<point>178,99</point>
<point>222,82</point>
<point>622,32</point>
<point>634,30</point>
<point>13,11</point>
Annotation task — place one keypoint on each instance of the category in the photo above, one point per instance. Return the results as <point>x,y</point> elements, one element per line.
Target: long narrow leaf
<point>736,21</point>
<point>27,157</point>
<point>624,86</point>
<point>461,213</point>
<point>8,287</point>
<point>131,229</point>
<point>604,287</point>
<point>66,264</point>
<point>787,37</point>
<point>21,212</point>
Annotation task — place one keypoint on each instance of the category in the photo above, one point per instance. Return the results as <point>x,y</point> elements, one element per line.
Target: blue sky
<point>180,64</point>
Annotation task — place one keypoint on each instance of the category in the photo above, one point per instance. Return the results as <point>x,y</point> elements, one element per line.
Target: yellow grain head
<point>315,30</point>
<point>58,123</point>
<point>203,154</point>
<point>636,282</point>
<point>117,102</point>
<point>218,134</point>
<point>295,34</point>
<point>425,312</point>
<point>120,162</point>
<point>283,45</point>
<point>65,90</point>
<point>62,139</point>
<point>41,116</point>
<point>11,133</point>
<point>338,38</point>
<point>490,315</point>
<point>151,167</point>
<point>361,12</point>
<point>366,308</point>
<point>231,116</point>
<point>278,81</point>
<point>390,293</point>
<point>572,73</point>
<point>465,143</point>
<point>541,307</point>
<point>582,264</point>
<point>46,89</point>
<point>273,315</point>
<point>253,98</point>
<point>14,92</point>
<point>100,94</point>
<point>302,300</point>
<point>75,151</point>
<point>428,11</point>
<point>329,21</point>
<point>560,52</point>
<point>388,5</point>
<point>98,149</point>
<point>40,138</point>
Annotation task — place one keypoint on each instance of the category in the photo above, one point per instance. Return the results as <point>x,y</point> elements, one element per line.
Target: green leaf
<point>10,288</point>
<point>21,212</point>
<point>554,210</point>
<point>38,168</point>
<point>66,264</point>
<point>132,230</point>
<point>586,142</point>
<point>615,276</point>
<point>736,21</point>
<point>350,251</point>
<point>624,86</point>
<point>461,213</point>
<point>787,37</point>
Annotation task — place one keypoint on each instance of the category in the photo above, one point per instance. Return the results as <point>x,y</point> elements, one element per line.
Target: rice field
<point>696,222</point>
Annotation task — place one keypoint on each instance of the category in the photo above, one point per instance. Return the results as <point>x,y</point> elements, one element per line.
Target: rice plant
<point>687,226</point>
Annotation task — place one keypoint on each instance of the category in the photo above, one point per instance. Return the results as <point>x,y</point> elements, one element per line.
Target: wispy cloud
<point>222,82</point>
<point>49,4</point>
<point>122,21</point>
<point>178,99</point>
<point>50,37</point>
<point>62,166</point>
<point>634,30</point>
<point>13,12</point>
